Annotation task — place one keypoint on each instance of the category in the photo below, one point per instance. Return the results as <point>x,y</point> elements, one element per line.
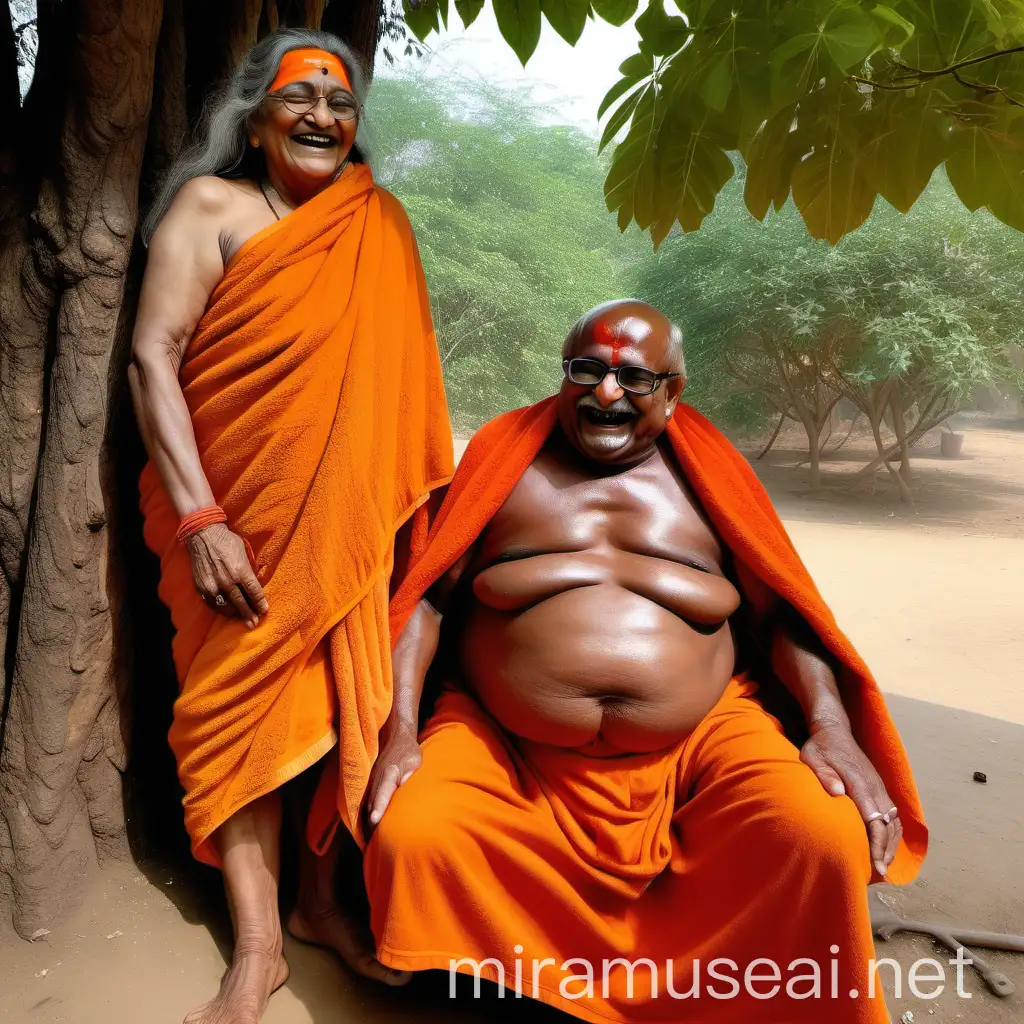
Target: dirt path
<point>934,602</point>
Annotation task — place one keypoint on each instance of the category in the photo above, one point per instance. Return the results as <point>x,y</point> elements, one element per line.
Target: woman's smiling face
<point>306,129</point>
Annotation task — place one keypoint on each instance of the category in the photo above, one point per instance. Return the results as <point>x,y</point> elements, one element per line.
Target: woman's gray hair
<point>220,145</point>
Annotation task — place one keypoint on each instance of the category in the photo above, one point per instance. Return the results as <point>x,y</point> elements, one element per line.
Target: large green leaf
<point>986,166</point>
<point>422,19</point>
<point>519,24</point>
<point>692,169</point>
<point>831,187</point>
<point>905,140</point>
<point>630,182</point>
<point>623,85</point>
<point>469,10</point>
<point>661,33</point>
<point>615,12</point>
<point>622,115</point>
<point>639,64</point>
<point>568,17</point>
<point>770,159</point>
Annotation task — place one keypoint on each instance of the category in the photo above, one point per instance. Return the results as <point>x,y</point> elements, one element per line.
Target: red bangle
<point>199,520</point>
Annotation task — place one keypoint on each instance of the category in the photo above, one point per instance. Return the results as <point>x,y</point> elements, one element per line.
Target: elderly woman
<point>288,387</point>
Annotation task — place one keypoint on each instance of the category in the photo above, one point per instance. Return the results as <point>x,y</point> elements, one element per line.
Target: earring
<point>255,143</point>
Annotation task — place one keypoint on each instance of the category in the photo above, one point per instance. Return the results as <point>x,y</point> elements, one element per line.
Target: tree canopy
<point>512,233</point>
<point>832,102</point>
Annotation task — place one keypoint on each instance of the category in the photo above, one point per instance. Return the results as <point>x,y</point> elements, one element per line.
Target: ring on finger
<point>220,600</point>
<point>874,816</point>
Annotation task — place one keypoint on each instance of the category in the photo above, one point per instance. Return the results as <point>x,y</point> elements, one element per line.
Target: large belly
<point>597,661</point>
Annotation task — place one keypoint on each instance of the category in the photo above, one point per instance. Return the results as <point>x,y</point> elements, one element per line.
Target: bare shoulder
<point>205,195</point>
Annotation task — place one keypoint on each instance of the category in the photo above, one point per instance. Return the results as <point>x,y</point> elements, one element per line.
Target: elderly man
<point>601,812</point>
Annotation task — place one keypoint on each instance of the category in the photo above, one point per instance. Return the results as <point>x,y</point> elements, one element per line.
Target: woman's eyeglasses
<point>341,106</point>
<point>636,379</point>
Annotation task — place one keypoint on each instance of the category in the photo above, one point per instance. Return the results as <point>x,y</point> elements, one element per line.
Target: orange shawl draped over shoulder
<point>314,386</point>
<point>742,513</point>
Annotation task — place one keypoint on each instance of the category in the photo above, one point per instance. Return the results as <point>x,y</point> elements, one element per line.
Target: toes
<point>371,967</point>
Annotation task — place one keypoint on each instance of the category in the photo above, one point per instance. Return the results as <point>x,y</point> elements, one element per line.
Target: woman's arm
<point>183,268</point>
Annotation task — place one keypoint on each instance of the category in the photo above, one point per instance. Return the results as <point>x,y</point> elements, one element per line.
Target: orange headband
<point>296,66</point>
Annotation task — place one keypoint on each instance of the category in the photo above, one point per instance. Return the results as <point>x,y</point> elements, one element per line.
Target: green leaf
<point>661,34</point>
<point>717,84</point>
<point>830,187</point>
<point>693,169</point>
<point>519,24</point>
<point>905,142</point>
<point>567,17</point>
<point>903,29</point>
<point>986,167</point>
<point>631,176</point>
<point>615,12</point>
<point>639,64</point>
<point>469,10</point>
<point>621,86</point>
<point>622,114</point>
<point>770,159</point>
<point>851,37</point>
<point>422,19</point>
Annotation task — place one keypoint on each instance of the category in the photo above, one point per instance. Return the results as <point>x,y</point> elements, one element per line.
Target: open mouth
<point>606,417</point>
<point>315,140</point>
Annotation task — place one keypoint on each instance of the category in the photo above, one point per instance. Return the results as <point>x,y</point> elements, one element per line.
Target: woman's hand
<point>399,758</point>
<point>221,570</point>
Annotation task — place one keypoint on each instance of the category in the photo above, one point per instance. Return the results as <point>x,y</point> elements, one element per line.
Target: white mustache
<point>623,405</point>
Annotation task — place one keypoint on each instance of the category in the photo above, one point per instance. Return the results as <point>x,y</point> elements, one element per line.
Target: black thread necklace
<point>267,198</point>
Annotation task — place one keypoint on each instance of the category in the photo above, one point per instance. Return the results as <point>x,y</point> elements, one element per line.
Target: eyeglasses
<point>636,379</point>
<point>341,106</point>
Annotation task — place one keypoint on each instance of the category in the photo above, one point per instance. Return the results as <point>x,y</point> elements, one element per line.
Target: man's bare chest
<point>557,506</point>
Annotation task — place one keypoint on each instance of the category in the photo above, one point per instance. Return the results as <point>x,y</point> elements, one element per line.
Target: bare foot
<point>328,926</point>
<point>244,990</point>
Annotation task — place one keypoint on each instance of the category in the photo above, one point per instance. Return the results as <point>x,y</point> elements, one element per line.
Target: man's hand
<point>223,575</point>
<point>842,767</point>
<point>399,758</point>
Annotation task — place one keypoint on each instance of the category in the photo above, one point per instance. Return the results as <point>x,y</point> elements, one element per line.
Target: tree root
<point>885,923</point>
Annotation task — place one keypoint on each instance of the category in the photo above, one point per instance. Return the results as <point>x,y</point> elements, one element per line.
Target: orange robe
<point>314,386</point>
<point>545,862</point>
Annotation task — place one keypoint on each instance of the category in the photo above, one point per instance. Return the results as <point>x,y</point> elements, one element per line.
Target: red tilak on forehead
<point>610,336</point>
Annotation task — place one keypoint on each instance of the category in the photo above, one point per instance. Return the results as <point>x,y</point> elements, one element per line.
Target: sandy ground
<point>931,595</point>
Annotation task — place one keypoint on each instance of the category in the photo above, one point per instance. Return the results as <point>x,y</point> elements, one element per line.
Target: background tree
<point>834,102</point>
<point>115,87</point>
<point>905,318</point>
<point>513,235</point>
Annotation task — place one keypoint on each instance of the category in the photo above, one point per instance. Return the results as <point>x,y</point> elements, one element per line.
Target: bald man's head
<point>612,359</point>
<point>629,318</point>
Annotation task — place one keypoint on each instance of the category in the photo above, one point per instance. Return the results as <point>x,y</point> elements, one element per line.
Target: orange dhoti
<point>712,881</point>
<point>315,393</point>
<point>693,865</point>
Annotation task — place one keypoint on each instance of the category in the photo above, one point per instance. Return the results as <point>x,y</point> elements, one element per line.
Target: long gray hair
<point>220,145</point>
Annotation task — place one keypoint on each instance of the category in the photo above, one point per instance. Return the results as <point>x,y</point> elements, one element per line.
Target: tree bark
<point>94,133</point>
<point>63,752</point>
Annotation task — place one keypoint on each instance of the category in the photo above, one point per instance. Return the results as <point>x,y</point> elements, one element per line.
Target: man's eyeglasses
<point>636,379</point>
<point>341,106</point>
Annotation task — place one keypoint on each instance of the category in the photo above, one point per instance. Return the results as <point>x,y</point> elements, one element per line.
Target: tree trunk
<point>900,429</point>
<point>813,430</point>
<point>73,163</point>
<point>771,440</point>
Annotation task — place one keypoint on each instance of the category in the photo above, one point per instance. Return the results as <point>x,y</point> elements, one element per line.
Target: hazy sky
<point>570,80</point>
